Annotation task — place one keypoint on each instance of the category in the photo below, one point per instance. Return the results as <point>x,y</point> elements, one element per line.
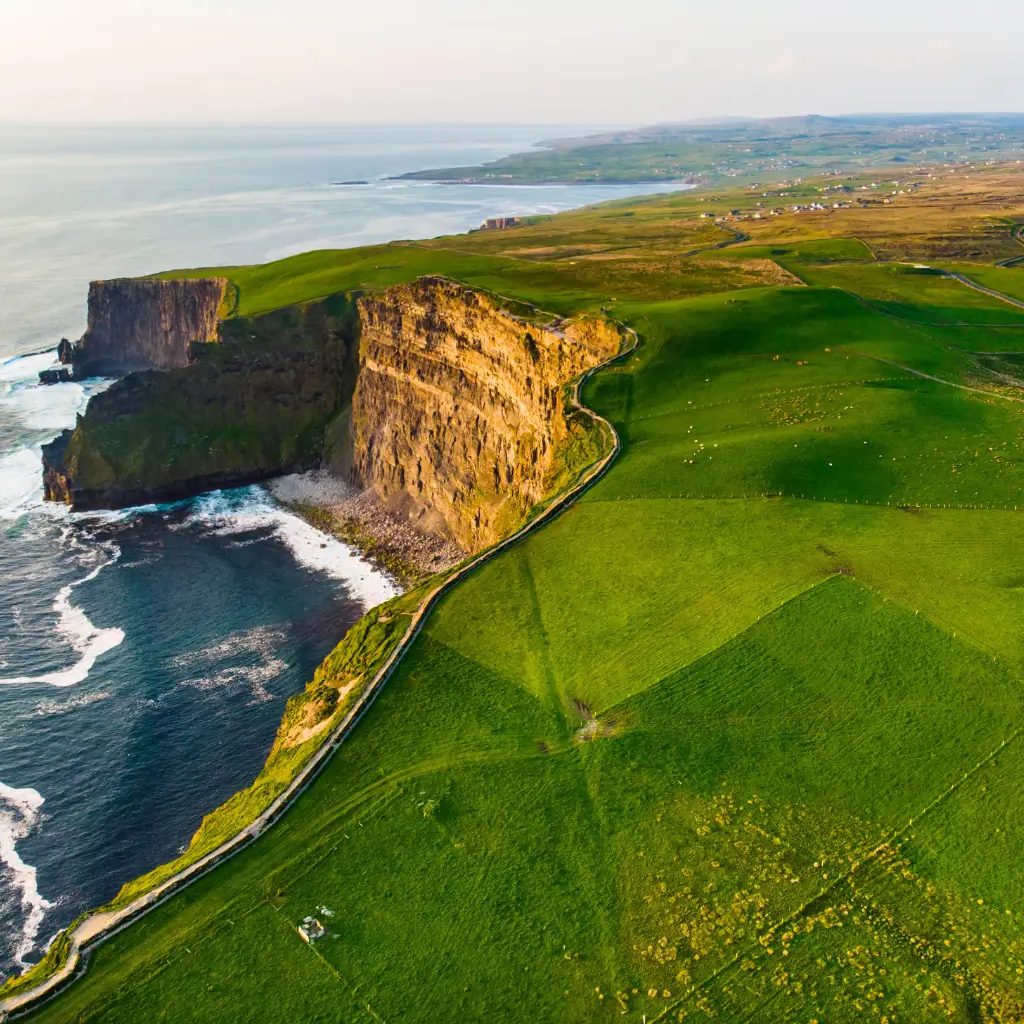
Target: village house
<point>499,223</point>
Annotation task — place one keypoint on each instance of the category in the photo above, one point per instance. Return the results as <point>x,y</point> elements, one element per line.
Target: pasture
<point>736,737</point>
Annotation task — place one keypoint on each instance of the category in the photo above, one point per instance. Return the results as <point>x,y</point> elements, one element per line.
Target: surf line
<point>19,812</point>
<point>88,641</point>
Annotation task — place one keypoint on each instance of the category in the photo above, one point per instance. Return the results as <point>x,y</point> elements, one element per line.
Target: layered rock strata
<point>145,324</point>
<point>447,405</point>
<point>459,412</point>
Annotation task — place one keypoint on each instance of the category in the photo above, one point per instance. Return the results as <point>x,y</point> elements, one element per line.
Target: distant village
<point>760,213</point>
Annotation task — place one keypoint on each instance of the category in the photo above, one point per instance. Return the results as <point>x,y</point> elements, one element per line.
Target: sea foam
<point>19,812</point>
<point>224,513</point>
<point>38,409</point>
<point>258,644</point>
<point>75,626</point>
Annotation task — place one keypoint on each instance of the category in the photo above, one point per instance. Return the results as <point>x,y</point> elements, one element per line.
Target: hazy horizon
<point>458,62</point>
<point>551,128</point>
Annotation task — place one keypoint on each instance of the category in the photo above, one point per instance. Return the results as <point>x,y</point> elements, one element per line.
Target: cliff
<point>459,416</point>
<point>263,399</point>
<point>447,405</point>
<point>145,324</point>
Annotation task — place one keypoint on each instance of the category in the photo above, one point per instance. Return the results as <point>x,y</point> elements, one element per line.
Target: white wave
<point>27,367</point>
<point>225,513</point>
<point>21,481</point>
<point>75,626</point>
<point>40,409</point>
<point>50,407</point>
<point>19,812</point>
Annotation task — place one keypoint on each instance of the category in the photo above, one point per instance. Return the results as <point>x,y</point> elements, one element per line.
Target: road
<point>986,291</point>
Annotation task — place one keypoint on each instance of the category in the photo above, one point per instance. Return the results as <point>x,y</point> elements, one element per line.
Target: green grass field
<point>737,737</point>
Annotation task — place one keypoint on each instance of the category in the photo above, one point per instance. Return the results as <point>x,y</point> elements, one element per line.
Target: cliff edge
<point>439,399</point>
<point>145,324</point>
<point>262,399</point>
<point>459,418</point>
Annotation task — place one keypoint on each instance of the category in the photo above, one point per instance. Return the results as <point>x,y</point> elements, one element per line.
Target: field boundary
<point>981,288</point>
<point>1017,234</point>
<point>99,926</point>
<point>938,380</point>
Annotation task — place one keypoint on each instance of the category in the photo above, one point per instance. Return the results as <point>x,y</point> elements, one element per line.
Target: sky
<point>484,61</point>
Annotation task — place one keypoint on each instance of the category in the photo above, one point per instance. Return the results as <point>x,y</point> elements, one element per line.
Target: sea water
<point>146,654</point>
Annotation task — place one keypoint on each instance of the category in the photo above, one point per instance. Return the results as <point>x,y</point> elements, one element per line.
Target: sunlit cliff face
<point>459,408</point>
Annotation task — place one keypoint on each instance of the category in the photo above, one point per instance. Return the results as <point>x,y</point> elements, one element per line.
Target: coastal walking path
<point>97,927</point>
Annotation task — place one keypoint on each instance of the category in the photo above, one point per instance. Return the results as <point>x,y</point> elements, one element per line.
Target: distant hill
<point>753,148</point>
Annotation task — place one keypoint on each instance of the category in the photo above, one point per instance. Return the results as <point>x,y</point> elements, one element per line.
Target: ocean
<point>146,654</point>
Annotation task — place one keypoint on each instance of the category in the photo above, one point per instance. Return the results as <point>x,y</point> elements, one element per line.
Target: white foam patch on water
<point>77,629</point>
<point>260,643</point>
<point>21,482</point>
<point>27,367</point>
<point>40,409</point>
<point>224,513</point>
<point>51,407</point>
<point>19,812</point>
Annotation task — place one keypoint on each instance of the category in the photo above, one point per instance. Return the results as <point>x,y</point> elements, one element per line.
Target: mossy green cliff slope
<point>257,402</point>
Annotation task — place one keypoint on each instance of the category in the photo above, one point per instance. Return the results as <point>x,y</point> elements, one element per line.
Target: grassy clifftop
<point>736,738</point>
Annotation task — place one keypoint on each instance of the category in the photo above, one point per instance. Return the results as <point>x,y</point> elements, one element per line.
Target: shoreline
<point>76,942</point>
<point>680,183</point>
<point>359,519</point>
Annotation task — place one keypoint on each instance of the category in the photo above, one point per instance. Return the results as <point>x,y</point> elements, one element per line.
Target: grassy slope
<point>780,685</point>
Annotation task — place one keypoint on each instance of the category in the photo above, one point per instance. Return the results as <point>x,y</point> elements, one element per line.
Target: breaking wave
<point>19,813</point>
<point>249,509</point>
<point>38,410</point>
<point>77,629</point>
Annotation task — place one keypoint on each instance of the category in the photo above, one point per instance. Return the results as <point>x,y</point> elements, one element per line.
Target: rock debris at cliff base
<point>362,519</point>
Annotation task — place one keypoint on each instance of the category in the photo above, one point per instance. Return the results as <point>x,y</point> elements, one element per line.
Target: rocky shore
<point>362,520</point>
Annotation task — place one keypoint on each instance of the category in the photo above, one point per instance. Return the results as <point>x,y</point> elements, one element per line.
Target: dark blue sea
<point>146,655</point>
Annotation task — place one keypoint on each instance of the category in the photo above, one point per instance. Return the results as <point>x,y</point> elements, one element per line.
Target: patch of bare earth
<point>304,730</point>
